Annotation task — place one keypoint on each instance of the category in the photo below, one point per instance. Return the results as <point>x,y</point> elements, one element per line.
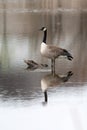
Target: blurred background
<point>20,38</point>
<point>66,21</point>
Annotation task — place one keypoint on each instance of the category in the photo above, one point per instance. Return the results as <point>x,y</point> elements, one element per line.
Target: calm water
<point>21,96</point>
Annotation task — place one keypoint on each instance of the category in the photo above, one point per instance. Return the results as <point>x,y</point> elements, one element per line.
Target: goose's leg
<point>53,66</point>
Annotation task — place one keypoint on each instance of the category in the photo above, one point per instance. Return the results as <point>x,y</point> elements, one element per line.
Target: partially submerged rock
<point>32,65</point>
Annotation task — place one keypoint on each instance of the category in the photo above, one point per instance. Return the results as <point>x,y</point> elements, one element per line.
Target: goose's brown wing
<point>56,51</point>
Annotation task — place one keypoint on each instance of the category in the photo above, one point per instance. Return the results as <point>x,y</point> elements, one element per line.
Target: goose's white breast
<point>43,48</point>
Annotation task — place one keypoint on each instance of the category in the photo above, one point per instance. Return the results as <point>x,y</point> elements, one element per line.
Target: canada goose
<point>32,65</point>
<point>51,80</point>
<point>52,52</point>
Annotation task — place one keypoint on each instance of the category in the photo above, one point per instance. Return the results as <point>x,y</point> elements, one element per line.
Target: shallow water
<point>21,96</point>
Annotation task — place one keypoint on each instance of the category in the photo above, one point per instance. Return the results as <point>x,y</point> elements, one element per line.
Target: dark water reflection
<point>53,80</point>
<point>20,40</point>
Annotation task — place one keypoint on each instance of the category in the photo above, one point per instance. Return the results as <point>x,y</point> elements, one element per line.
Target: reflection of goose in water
<point>52,52</point>
<point>32,65</point>
<point>52,81</point>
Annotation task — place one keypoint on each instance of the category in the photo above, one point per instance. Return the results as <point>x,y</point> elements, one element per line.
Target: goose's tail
<point>66,53</point>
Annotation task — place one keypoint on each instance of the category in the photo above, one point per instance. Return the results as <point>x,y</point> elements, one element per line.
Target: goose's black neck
<point>45,36</point>
<point>45,96</point>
